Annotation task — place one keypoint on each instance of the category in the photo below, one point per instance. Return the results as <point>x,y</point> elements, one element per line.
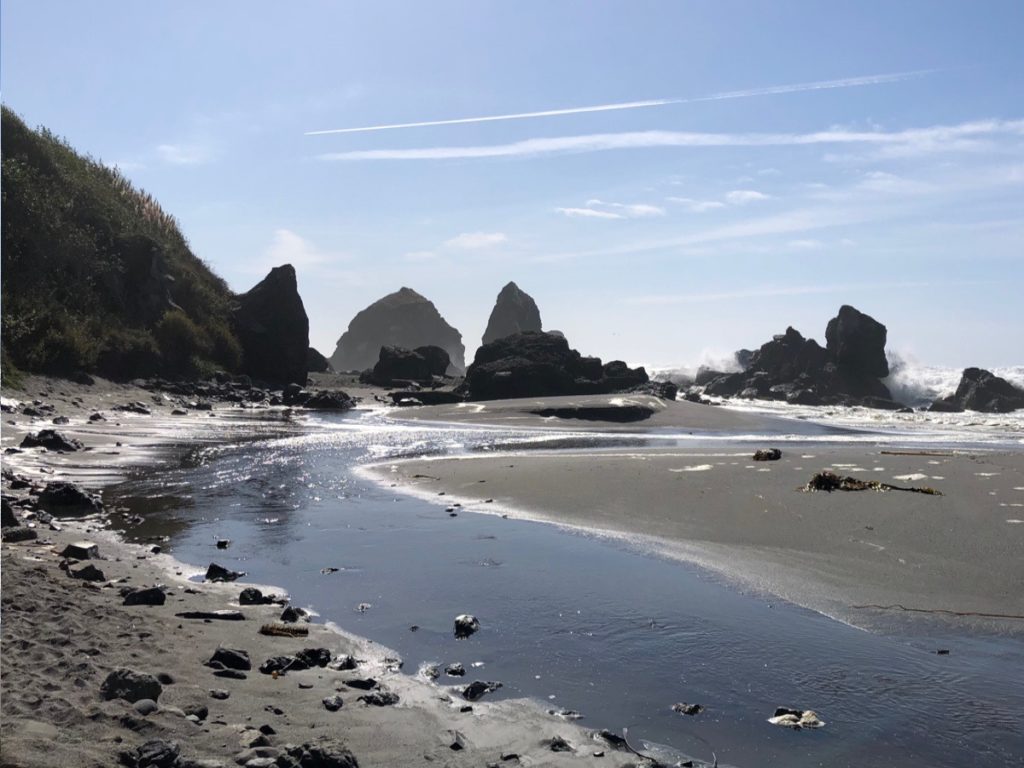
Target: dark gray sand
<point>853,555</point>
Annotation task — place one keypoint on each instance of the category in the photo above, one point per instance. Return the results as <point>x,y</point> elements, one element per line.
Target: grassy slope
<point>95,275</point>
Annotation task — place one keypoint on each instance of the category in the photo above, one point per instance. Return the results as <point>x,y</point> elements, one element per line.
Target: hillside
<point>96,276</point>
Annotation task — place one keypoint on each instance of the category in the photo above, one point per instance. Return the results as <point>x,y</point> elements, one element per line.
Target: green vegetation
<point>96,276</point>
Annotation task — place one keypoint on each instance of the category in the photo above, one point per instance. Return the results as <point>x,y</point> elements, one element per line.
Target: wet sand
<point>62,636</point>
<point>865,557</point>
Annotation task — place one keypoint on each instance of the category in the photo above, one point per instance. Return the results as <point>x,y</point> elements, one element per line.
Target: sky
<point>670,181</point>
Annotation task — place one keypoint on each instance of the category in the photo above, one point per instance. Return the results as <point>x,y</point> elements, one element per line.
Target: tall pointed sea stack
<point>273,329</point>
<point>514,312</point>
<point>400,319</point>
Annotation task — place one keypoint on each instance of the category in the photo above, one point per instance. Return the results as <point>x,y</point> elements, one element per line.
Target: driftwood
<point>283,630</point>
<point>830,481</point>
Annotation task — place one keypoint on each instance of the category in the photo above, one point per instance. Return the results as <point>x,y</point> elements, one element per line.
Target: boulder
<point>150,596</point>
<point>399,364</point>
<point>61,498</point>
<point>514,312</point>
<point>329,400</point>
<point>130,685</point>
<point>219,573</point>
<point>438,361</point>
<point>7,517</point>
<point>230,658</point>
<point>857,343</point>
<point>273,329</point>
<point>403,319</point>
<point>316,363</point>
<point>981,390</point>
<point>51,440</point>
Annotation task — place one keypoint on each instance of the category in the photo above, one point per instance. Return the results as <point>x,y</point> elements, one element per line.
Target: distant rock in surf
<point>848,371</point>
<point>401,319</point>
<point>273,329</point>
<point>981,390</point>
<point>514,311</point>
<point>538,364</point>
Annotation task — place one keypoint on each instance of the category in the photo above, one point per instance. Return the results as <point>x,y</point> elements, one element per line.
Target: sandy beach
<point>62,637</point>
<point>864,557</point>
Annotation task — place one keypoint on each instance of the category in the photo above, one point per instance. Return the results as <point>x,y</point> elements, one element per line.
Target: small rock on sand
<point>767,454</point>
<point>150,596</point>
<point>219,573</point>
<point>130,685</point>
<point>333,703</point>
<point>232,658</point>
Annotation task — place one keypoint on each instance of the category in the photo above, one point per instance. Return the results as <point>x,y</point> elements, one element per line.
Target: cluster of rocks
<point>847,371</point>
<point>242,392</point>
<point>539,364</point>
<point>981,390</point>
<point>42,503</point>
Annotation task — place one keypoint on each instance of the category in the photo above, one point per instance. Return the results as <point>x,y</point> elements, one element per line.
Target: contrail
<point>848,82</point>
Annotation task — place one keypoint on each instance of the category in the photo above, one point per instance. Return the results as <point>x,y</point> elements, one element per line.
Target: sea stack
<point>273,329</point>
<point>401,319</point>
<point>515,311</point>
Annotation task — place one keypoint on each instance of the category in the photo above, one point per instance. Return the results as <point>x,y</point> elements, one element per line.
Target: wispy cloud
<point>939,138</point>
<point>696,206</point>
<point>588,213</point>
<point>744,196</point>
<point>288,247</point>
<point>184,154</point>
<point>848,82</point>
<point>471,241</point>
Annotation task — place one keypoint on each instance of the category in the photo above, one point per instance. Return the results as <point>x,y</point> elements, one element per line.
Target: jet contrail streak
<point>849,82</point>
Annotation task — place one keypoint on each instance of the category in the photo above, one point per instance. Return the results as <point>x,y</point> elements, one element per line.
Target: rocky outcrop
<point>273,329</point>
<point>398,367</point>
<point>514,312</point>
<point>538,364</point>
<point>800,371</point>
<point>316,363</point>
<point>981,390</point>
<point>401,319</point>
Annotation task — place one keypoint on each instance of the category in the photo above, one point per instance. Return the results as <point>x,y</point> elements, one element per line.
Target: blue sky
<point>890,176</point>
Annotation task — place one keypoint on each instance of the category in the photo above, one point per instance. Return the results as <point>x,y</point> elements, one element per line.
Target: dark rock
<point>857,343</point>
<point>165,679</point>
<point>767,454</point>
<point>80,550</point>
<point>61,499</point>
<point>438,360</point>
<point>455,670</point>
<point>156,754</point>
<point>130,685</point>
<point>379,698</point>
<point>726,385</point>
<point>514,312</point>
<point>220,573</point>
<point>398,363</point>
<point>558,744</point>
<point>223,543</point>
<point>220,694</point>
<point>14,535</point>
<point>273,328</point>
<point>316,363</point>
<point>87,573</point>
<point>666,390</point>
<point>314,657</point>
<point>981,390</point>
<point>322,755</point>
<point>7,516</point>
<point>333,703</point>
<point>139,408</point>
<point>51,440</point>
<point>282,664</point>
<point>426,397</point>
<point>151,596</point>
<point>61,420</point>
<point>291,615</point>
<point>363,684</point>
<point>403,319</point>
<point>618,376</point>
<point>329,400</point>
<point>687,709</point>
<point>466,625</point>
<point>97,417</point>
<point>477,689</point>
<point>616,741</point>
<point>231,658</point>
<point>253,596</point>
